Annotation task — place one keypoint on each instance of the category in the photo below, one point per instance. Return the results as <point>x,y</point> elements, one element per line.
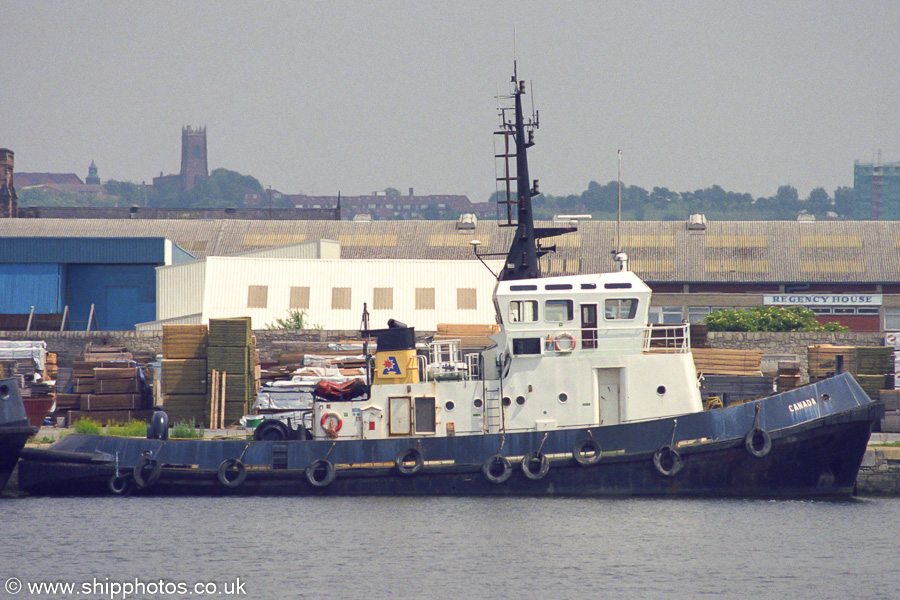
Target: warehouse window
<point>668,315</point>
<point>299,297</point>
<point>424,298</point>
<point>258,296</point>
<point>383,298</point>
<point>466,299</point>
<point>340,298</point>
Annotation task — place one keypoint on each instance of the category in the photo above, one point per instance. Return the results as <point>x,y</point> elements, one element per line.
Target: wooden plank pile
<point>471,337</point>
<point>734,389</point>
<point>823,360</point>
<point>231,369</point>
<point>873,367</point>
<point>183,377</point>
<point>788,375</point>
<point>717,361</point>
<point>106,391</point>
<point>891,421</point>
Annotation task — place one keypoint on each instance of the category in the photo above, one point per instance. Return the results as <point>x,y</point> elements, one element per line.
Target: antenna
<point>619,218</point>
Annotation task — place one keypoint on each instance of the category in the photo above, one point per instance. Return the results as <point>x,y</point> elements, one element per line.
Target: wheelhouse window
<point>620,308</point>
<point>522,311</point>
<point>556,311</point>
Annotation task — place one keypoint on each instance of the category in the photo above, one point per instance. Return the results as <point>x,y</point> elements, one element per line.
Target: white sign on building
<point>823,299</point>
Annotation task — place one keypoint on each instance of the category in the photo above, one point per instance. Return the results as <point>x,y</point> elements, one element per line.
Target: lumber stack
<point>788,375</point>
<point>734,389</point>
<point>716,361</point>
<point>231,370</point>
<point>877,360</point>
<point>471,337</point>
<point>823,360</point>
<point>105,391</point>
<point>183,378</point>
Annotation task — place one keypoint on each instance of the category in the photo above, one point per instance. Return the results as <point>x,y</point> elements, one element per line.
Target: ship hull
<point>813,455</point>
<point>14,428</point>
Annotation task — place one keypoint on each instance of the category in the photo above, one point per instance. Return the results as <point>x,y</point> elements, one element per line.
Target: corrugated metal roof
<point>87,250</point>
<point>727,251</point>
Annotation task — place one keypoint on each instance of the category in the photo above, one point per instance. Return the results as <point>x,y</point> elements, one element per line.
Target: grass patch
<point>185,429</point>
<point>132,428</point>
<point>87,426</point>
<point>888,444</point>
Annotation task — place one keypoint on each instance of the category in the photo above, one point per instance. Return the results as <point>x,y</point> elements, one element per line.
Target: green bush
<point>132,428</point>
<point>184,429</point>
<point>88,426</point>
<point>767,318</point>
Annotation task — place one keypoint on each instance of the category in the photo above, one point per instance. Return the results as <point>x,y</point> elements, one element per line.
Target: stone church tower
<point>193,155</point>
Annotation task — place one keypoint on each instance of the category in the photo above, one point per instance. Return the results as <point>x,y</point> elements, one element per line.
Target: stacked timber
<point>788,375</point>
<point>825,359</point>
<point>732,375</point>
<point>890,423</point>
<point>183,377</point>
<point>106,391</point>
<point>231,370</point>
<point>471,337</point>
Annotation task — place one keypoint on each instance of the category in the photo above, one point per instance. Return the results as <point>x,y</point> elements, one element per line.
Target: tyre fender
<point>758,442</point>
<point>410,455</point>
<point>532,459</point>
<point>667,461</point>
<point>229,466</point>
<point>496,469</point>
<point>320,473</point>
<point>587,452</point>
<point>144,479</point>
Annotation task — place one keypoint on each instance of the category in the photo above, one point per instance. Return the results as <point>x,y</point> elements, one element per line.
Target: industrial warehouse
<point>427,272</point>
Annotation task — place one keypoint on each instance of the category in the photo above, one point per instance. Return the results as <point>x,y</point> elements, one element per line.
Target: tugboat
<point>14,428</point>
<point>577,396</point>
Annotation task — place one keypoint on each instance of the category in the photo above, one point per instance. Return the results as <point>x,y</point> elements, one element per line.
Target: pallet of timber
<point>718,361</point>
<point>92,402</point>
<point>117,386</point>
<point>873,384</point>
<point>83,385</point>
<point>185,341</point>
<point>235,332</point>
<point>823,359</point>
<point>890,423</point>
<point>878,360</point>
<point>85,368</point>
<point>183,376</point>
<point>229,359</point>
<point>68,402</point>
<point>107,416</point>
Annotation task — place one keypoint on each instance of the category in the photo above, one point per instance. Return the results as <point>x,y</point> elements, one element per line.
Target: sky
<point>355,97</point>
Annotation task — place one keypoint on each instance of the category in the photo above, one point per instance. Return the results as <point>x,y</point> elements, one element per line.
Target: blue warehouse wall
<point>23,285</point>
<point>122,295</point>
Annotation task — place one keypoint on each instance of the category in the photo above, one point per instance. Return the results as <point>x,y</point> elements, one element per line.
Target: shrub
<point>768,318</point>
<point>132,428</point>
<point>88,426</point>
<point>184,429</point>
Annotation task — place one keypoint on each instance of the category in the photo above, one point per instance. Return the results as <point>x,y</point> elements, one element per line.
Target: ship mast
<point>522,260</point>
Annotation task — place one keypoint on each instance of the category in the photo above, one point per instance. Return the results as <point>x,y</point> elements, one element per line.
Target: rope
<point>502,443</point>
<point>674,426</point>
<point>333,444</point>
<point>542,443</point>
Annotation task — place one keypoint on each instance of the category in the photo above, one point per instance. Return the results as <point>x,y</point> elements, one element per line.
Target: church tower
<point>93,177</point>
<point>193,155</point>
<point>9,201</point>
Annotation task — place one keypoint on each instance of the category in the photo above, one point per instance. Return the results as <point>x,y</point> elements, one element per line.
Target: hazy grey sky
<point>317,97</point>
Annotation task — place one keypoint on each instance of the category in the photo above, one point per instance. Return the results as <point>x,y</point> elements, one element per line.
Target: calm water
<point>459,548</point>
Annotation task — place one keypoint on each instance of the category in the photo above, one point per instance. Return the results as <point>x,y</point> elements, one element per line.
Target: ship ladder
<point>493,410</point>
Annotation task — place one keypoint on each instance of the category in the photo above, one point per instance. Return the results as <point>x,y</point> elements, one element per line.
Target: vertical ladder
<point>493,409</point>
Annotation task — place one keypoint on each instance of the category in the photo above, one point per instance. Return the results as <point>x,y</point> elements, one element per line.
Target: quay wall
<point>879,474</point>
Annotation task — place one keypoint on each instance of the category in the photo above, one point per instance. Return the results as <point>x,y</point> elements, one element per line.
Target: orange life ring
<point>331,430</point>
<point>564,336</point>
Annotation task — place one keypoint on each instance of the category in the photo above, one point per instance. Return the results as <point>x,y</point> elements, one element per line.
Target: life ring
<point>231,466</point>
<point>119,485</point>
<point>758,442</point>
<point>320,473</point>
<point>540,460</point>
<point>496,469</point>
<point>569,342</point>
<point>412,455</point>
<point>587,452</point>
<point>667,461</point>
<point>140,480</point>
<point>325,422</point>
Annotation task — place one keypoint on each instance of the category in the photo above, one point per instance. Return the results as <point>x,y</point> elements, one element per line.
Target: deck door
<point>588,326</point>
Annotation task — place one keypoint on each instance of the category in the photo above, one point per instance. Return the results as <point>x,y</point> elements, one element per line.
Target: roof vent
<point>362,217</point>
<point>466,221</point>
<point>696,223</point>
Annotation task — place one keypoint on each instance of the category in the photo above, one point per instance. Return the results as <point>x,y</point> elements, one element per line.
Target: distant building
<point>876,188</point>
<point>193,162</point>
<point>382,207</point>
<point>93,178</point>
<point>9,203</point>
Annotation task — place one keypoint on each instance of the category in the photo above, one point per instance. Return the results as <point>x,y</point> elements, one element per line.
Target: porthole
<point>478,403</point>
<point>506,401</point>
<point>520,400</point>
<point>563,397</point>
<point>661,390</point>
<point>826,397</point>
<point>449,404</point>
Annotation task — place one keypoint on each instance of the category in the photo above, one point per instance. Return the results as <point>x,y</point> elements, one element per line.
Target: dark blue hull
<point>14,428</point>
<point>812,444</point>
